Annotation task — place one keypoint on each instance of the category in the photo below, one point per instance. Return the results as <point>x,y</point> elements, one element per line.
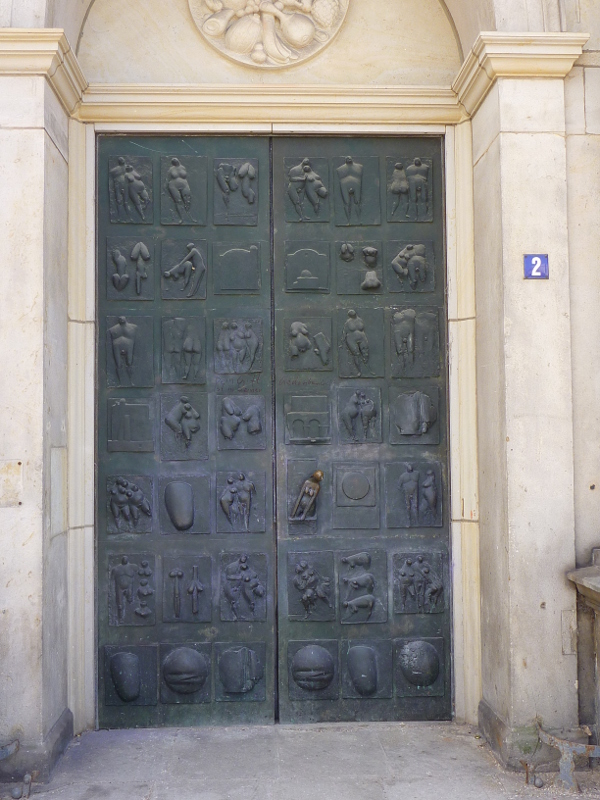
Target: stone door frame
<point>462,388</point>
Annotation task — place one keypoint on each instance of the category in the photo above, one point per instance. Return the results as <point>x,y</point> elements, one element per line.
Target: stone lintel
<point>45,52</point>
<point>514,55</point>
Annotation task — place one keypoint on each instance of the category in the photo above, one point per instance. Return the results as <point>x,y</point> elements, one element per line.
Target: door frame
<point>144,110</point>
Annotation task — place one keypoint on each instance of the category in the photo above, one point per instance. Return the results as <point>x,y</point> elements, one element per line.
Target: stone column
<point>513,85</point>
<point>37,91</point>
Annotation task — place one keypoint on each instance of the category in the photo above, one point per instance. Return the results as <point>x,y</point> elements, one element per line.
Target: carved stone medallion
<point>269,35</point>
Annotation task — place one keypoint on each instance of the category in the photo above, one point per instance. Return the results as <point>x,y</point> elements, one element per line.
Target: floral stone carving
<point>266,34</point>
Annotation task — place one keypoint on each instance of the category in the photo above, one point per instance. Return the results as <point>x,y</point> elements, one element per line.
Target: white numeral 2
<point>537,263</point>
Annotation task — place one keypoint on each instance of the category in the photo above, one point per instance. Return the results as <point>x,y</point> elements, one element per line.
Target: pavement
<point>358,761</point>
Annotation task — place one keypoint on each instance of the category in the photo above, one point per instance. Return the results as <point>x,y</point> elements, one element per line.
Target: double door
<point>272,484</point>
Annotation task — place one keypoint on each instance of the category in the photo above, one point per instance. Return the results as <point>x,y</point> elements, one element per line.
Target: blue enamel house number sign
<point>536,266</point>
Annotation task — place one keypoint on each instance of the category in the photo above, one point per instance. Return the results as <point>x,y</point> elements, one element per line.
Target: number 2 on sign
<point>536,266</point>
<point>536,263</point>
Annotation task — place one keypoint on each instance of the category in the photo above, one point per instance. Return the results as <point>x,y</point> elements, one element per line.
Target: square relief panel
<point>409,183</point>
<point>183,182</point>
<point>356,190</point>
<point>415,342</point>
<point>183,269</point>
<point>313,670</point>
<point>185,673</point>
<point>359,267</point>
<point>130,675</point>
<point>243,587</point>
<point>236,267</point>
<point>363,587</point>
<point>307,344</point>
<point>415,415</point>
<point>242,423</point>
<point>129,504</point>
<point>240,672</point>
<point>360,343</point>
<point>131,590</point>
<point>184,503</point>
<point>307,189</point>
<point>240,502</point>
<point>307,266</point>
<point>235,191</point>
<point>419,583</point>
<point>356,496</point>
<point>359,415</point>
<point>129,268</point>
<point>183,427</point>
<point>413,492</point>
<point>367,669</point>
<point>307,419</point>
<point>419,667</point>
<point>183,350</point>
<point>187,592</point>
<point>130,425</point>
<point>130,190</point>
<point>311,587</point>
<point>410,266</point>
<point>129,351</point>
<point>238,346</point>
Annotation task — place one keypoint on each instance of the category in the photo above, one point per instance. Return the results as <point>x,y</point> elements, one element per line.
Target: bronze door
<point>272,478</point>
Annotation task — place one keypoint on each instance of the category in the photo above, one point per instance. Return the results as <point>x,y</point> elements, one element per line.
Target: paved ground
<point>375,761</point>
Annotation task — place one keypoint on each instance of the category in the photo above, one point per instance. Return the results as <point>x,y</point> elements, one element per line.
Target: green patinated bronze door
<point>272,484</point>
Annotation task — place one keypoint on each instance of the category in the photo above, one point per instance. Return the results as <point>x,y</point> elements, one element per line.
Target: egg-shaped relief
<point>267,34</point>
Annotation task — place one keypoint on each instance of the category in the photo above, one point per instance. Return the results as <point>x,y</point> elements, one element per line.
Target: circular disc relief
<point>355,485</point>
<point>267,34</point>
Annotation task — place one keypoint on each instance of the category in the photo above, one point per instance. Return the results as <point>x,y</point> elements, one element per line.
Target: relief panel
<point>184,346</point>
<point>236,267</point>
<point>419,667</point>
<point>130,190</point>
<point>184,427</point>
<point>307,267</point>
<point>313,670</point>
<point>183,269</point>
<point>235,191</point>
<point>129,268</point>
<point>415,343</point>
<point>410,266</point>
<point>356,496</point>
<point>414,415</point>
<point>183,190</point>
<point>307,189</point>
<point>131,590</point>
<point>307,419</point>
<point>307,344</point>
<point>356,182</point>
<point>419,583</point>
<point>311,587</point>
<point>240,672</point>
<point>409,196</point>
<point>304,483</point>
<point>238,346</point>
<point>360,347</point>
<point>130,675</point>
<point>363,586</point>
<point>367,669</point>
<point>241,422</point>
<point>240,502</point>
<point>129,504</point>
<point>184,504</point>
<point>187,591</point>
<point>243,587</point>
<point>185,673</point>
<point>129,351</point>
<point>359,267</point>
<point>359,415</point>
<point>413,493</point>
<point>130,425</point>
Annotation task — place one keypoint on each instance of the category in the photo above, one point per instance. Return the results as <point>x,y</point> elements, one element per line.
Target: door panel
<point>210,251</point>
<point>359,292</point>
<point>186,555</point>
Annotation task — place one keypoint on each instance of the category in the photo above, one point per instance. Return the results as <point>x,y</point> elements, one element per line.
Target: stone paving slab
<point>374,761</point>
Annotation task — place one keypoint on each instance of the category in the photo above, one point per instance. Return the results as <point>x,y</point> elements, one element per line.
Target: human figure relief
<point>183,420</point>
<point>356,341</point>
<point>178,189</point>
<point>123,336</point>
<point>350,176</point>
<point>305,504</point>
<point>305,184</point>
<point>189,271</point>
